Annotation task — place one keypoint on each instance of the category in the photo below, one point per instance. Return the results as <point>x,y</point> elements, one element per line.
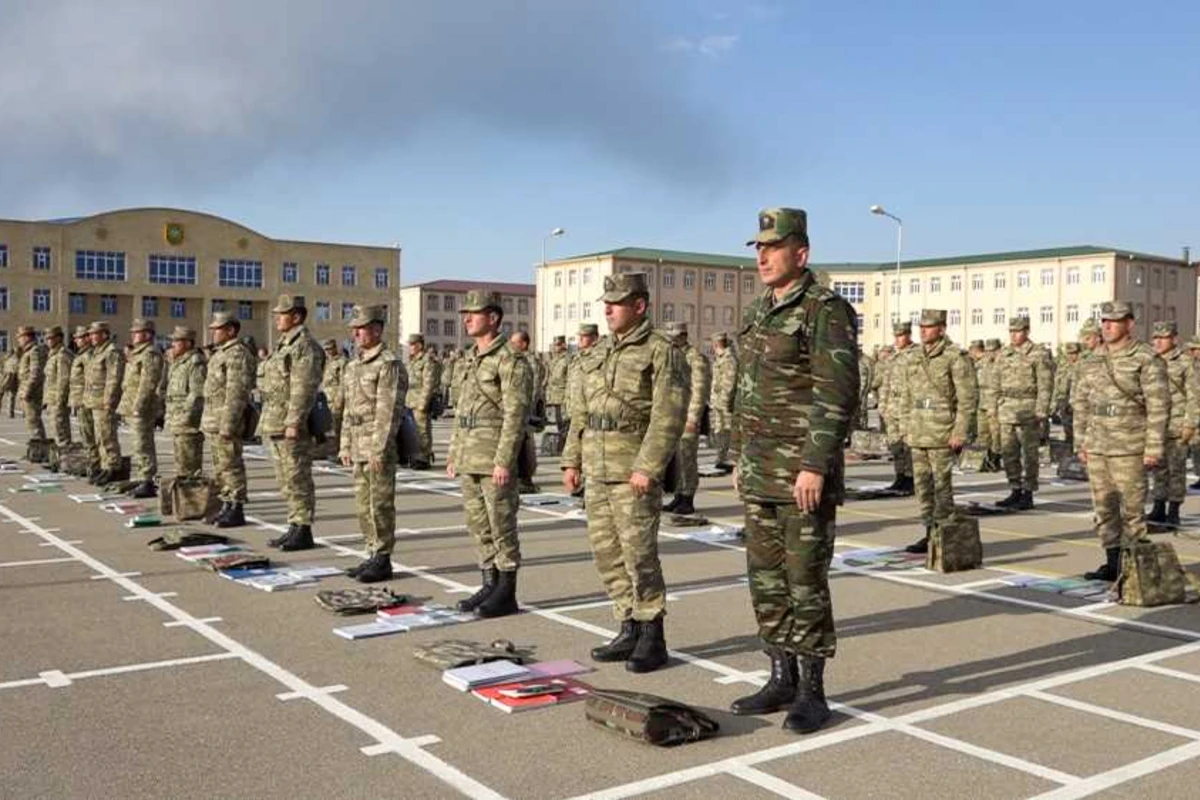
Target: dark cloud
<point>189,95</point>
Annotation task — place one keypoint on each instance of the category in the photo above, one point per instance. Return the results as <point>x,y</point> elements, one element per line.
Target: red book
<point>513,697</point>
<point>396,611</point>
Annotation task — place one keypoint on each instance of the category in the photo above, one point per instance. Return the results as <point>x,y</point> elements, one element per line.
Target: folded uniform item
<point>185,537</point>
<point>248,560</point>
<point>453,653</point>
<point>366,600</point>
<point>688,520</point>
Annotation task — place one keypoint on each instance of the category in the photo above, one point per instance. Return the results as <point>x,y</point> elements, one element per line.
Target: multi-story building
<point>432,309</point>
<point>177,267</point>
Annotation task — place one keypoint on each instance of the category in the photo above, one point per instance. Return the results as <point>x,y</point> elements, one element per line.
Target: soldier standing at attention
<point>31,379</point>
<point>423,379</point>
<point>987,406</point>
<point>1022,383</point>
<point>688,452</point>
<point>139,403</point>
<point>489,424</point>
<point>902,464</point>
<point>1170,479</point>
<point>632,398</point>
<point>1089,341</point>
<point>83,351</point>
<point>1193,346</point>
<point>1127,404</point>
<point>373,386</point>
<point>8,380</point>
<point>58,387</point>
<point>1064,383</point>
<point>724,390</point>
<point>556,384</point>
<point>102,392</point>
<point>528,460</point>
<point>228,384</point>
<point>937,404</point>
<point>291,376</point>
<point>589,334</point>
<point>331,385</point>
<point>185,402</point>
<point>797,391</point>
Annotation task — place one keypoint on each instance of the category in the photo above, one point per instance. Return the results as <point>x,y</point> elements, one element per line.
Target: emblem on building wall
<point>173,233</point>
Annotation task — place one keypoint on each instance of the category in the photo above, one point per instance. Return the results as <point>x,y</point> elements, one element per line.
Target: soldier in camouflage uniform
<point>1127,403</point>
<point>58,386</point>
<point>883,364</point>
<point>449,360</point>
<point>185,402</point>
<point>8,380</point>
<point>424,377</point>
<point>797,392</point>
<point>632,399</point>
<point>456,374</point>
<point>489,425</point>
<point>1064,384</point>
<point>139,404</point>
<point>902,464</point>
<point>989,425</point>
<point>1169,481</point>
<point>688,452</point>
<point>556,384</point>
<point>291,376</point>
<point>228,385</point>
<point>373,386</point>
<point>937,411</point>
<point>1022,383</point>
<point>1193,347</point>
<point>331,385</point>
<point>866,368</point>
<point>527,461</point>
<point>724,389</point>
<point>1089,342</point>
<point>102,395</point>
<point>83,418</point>
<point>589,334</point>
<point>31,379</point>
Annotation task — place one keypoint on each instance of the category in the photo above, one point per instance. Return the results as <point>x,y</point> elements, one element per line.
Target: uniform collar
<point>290,336</point>
<point>496,343</point>
<point>637,334</point>
<point>137,348</point>
<point>370,354</point>
<point>792,295</point>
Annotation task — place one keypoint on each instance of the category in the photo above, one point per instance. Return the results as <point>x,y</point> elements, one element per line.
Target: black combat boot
<point>503,599</point>
<point>1026,501</point>
<point>1158,514</point>
<point>472,602</point>
<point>683,504</point>
<point>1195,485</point>
<point>1012,501</point>
<point>285,536</point>
<point>352,572</point>
<point>221,512</point>
<point>1110,570</point>
<point>810,711</point>
<point>144,489</point>
<point>779,691</point>
<point>103,477</point>
<point>621,647</point>
<point>1173,513</point>
<point>921,545</point>
<point>527,487</point>
<point>905,485</point>
<point>301,540</point>
<point>377,568</point>
<point>233,518</point>
<point>650,652</point>
<point>671,506</point>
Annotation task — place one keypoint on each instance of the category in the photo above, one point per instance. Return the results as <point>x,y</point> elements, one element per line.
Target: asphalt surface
<point>129,673</point>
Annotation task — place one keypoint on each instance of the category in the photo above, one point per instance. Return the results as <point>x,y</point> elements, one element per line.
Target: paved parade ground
<point>129,673</point>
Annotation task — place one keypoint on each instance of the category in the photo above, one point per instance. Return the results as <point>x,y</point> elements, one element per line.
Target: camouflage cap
<point>479,300</point>
<point>26,330</point>
<point>98,327</point>
<point>1018,324</point>
<point>589,329</point>
<point>1116,310</point>
<point>1089,328</point>
<point>81,330</point>
<point>677,328</point>
<point>1071,347</point>
<point>618,288</point>
<point>776,224</point>
<point>1165,328</point>
<point>720,338</point>
<point>560,340</point>
<point>329,344</point>
<point>416,338</point>
<point>183,333</point>
<point>141,324</point>
<point>932,316</point>
<point>902,327</point>
<point>991,345</point>
<point>53,330</point>
<point>365,315</point>
<point>288,303</point>
<point>977,344</point>
<point>222,318</point>
<point>1194,343</point>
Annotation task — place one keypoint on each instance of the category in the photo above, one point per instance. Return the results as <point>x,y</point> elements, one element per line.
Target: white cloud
<point>711,46</point>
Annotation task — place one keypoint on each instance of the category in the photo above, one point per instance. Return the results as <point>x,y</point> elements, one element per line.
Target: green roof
<point>673,256</point>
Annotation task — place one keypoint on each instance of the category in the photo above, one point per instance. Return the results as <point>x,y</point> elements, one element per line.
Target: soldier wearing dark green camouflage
<point>102,395</point>
<point>228,387</point>
<point>83,417</point>
<point>1022,382</point>
<point>632,399</point>
<point>1169,480</point>
<point>331,385</point>
<point>902,464</point>
<point>556,384</point>
<point>688,452</point>
<point>1064,382</point>
<point>797,393</point>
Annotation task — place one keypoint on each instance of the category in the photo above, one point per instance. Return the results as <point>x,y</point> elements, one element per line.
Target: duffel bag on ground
<point>189,498</point>
<point>648,718</point>
<point>1151,575</point>
<point>37,451</point>
<point>954,545</point>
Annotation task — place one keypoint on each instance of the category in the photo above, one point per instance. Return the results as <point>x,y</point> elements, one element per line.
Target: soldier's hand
<point>501,475</point>
<point>1151,462</point>
<point>346,462</point>
<point>807,491</point>
<point>570,479</point>
<point>639,483</point>
<point>1083,456</point>
<point>450,472</point>
<point>1187,435</point>
<point>691,427</point>
<point>734,475</point>
<point>957,443</point>
<point>375,462</point>
<point>291,432</point>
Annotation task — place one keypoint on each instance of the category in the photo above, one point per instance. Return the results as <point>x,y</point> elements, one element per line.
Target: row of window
<point>583,311</point>
<point>448,328</point>
<point>728,280</point>
<point>1000,280</point>
<point>449,302</point>
<point>1000,316</point>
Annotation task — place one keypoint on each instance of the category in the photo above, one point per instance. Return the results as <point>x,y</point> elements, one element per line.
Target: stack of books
<point>274,579</point>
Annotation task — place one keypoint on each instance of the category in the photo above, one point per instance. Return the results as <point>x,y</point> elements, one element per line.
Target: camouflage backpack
<point>451,653</point>
<point>189,498</point>
<point>648,718</point>
<point>74,460</point>
<point>358,601</point>
<point>954,545</point>
<point>1151,575</point>
<point>37,451</point>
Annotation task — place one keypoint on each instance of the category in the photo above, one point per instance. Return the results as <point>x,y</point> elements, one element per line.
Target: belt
<point>600,422</point>
<point>1113,410</point>
<point>1019,394</point>
<point>926,405</point>
<point>470,422</point>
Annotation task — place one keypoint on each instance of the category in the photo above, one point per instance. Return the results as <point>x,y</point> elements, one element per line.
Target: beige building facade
<point>177,267</point>
<point>432,309</point>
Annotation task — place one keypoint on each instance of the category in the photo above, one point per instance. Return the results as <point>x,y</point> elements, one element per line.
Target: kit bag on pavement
<point>954,545</point>
<point>1151,575</point>
<point>37,451</point>
<point>189,498</point>
<point>648,718</point>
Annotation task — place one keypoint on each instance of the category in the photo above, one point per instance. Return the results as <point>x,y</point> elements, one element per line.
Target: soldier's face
<point>586,340</point>
<point>1116,330</point>
<point>180,346</point>
<point>902,341</point>
<point>222,335</point>
<point>285,322</point>
<point>367,336</point>
<point>97,338</point>
<point>931,333</point>
<point>1091,341</point>
<point>622,317</point>
<point>781,263</point>
<point>1163,344</point>
<point>478,323</point>
<point>1018,338</point>
<point>137,337</point>
<point>560,346</point>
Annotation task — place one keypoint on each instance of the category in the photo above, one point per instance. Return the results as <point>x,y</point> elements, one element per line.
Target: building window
<point>218,306</point>
<point>507,305</point>
<point>976,316</point>
<point>382,277</point>
<point>171,269</point>
<point>448,303</point>
<point>523,306</point>
<point>894,287</point>
<point>506,329</point>
<point>914,318</point>
<point>1137,310</point>
<point>914,286</point>
<point>4,298</point>
<point>77,303</point>
<point>1047,315</point>
<point>853,291</point>
<point>108,305</point>
<point>1155,313</point>
<point>1172,281</point>
<point>324,311</point>
<point>432,301</point>
<point>178,307</point>
<point>935,285</point>
<point>1072,313</point>
<point>875,319</point>
<point>239,273</point>
<point>1023,279</point>
<point>349,275</point>
<point>727,315</point>
<point>4,341</point>
<point>41,299</point>
<point>347,311</point>
<point>998,316</point>
<point>245,309</point>
<point>956,283</point>
<point>1137,276</point>
<point>668,312</point>
<point>878,288</point>
<point>727,283</point>
<point>710,281</point>
<point>1047,277</point>
<point>689,279</point>
<point>570,311</point>
<point>586,312</point>
<point>1171,313</point>
<point>96,265</point>
<point>1022,312</point>
<point>557,312</point>
<point>689,312</point>
<point>999,280</point>
<point>748,285</point>
<point>150,307</point>
<point>955,317</point>
<point>322,274</point>
<point>431,327</point>
<point>1099,274</point>
<point>1073,276</point>
<point>587,275</point>
<point>1096,311</point>
<point>977,282</point>
<point>3,260</point>
<point>448,330</point>
<point>668,279</point>
<point>710,315</point>
<point>291,272</point>
<point>571,276</point>
<point>523,327</point>
<point>41,258</point>
<point>557,279</point>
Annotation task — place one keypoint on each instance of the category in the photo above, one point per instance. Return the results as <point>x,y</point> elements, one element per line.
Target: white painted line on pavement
<point>37,562</point>
<point>144,596</point>
<point>187,623</point>
<point>54,679</point>
<point>55,544</point>
<point>1120,716</point>
<point>1138,769</point>
<point>772,784</point>
<point>119,574</point>
<point>1170,673</point>
<point>285,696</point>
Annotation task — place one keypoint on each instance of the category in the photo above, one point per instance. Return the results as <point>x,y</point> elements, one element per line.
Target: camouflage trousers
<point>60,424</point>
<point>492,521</point>
<point>788,553</point>
<point>1169,479</point>
<point>902,460</point>
<point>333,439</point>
<point>687,454</point>
<point>1118,485</point>
<point>623,531</point>
<point>12,403</point>
<point>990,434</point>
<point>33,419</point>
<point>229,468</point>
<point>554,414</point>
<point>104,422</point>
<point>1067,415</point>
<point>722,424</point>
<point>87,432</point>
<point>1019,449</point>
<point>932,480</point>
<point>375,496</point>
<point>145,453</point>
<point>189,454</point>
<point>424,433</point>
<point>293,472</point>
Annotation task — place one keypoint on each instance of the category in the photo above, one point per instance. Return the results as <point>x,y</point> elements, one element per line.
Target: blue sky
<point>467,132</point>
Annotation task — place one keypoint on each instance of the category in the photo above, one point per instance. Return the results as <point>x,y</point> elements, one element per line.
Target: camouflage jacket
<point>291,376</point>
<point>865,377</point>
<point>373,388</point>
<point>139,389</point>
<point>1064,384</point>
<point>447,379</point>
<point>1022,383</point>
<point>937,396</point>
<point>1183,380</point>
<point>78,375</point>
<point>185,392</point>
<point>700,382</point>
<point>8,371</point>
<point>556,379</point>
<point>228,382</point>
<point>893,379</point>
<point>1125,402</point>
<point>987,392</point>
<point>1080,386</point>
<point>424,376</point>
<point>31,373</point>
<point>59,365</point>
<point>797,391</point>
<point>724,382</point>
<point>102,380</point>
<point>331,381</point>
<point>494,393</point>
<point>632,396</point>
<point>573,378</point>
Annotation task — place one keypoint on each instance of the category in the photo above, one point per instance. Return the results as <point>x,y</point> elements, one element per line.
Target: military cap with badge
<point>777,224</point>
<point>621,287</point>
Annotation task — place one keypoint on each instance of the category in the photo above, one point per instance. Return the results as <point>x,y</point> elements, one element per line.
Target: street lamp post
<point>542,321</point>
<point>881,211</point>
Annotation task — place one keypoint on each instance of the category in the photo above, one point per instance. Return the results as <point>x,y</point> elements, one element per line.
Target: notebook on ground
<point>493,672</point>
